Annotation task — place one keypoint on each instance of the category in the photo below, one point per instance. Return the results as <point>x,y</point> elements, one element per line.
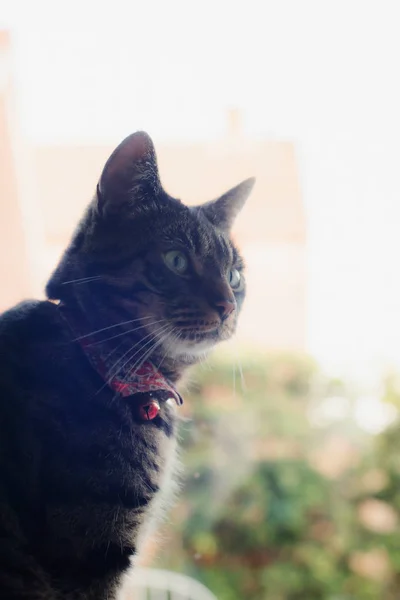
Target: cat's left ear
<point>223,211</point>
<point>129,174</point>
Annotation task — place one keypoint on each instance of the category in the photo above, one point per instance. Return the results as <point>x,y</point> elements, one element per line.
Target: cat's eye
<point>236,280</point>
<point>176,261</point>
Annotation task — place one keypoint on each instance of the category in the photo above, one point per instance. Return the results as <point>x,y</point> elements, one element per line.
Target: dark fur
<point>79,472</point>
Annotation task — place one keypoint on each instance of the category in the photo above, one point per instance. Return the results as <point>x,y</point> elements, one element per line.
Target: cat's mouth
<point>193,332</point>
<point>191,347</point>
<point>198,340</point>
<point>193,338</point>
<point>198,332</point>
<point>197,325</point>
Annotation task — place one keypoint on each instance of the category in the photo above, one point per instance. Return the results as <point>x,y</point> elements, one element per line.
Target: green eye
<point>176,261</point>
<point>235,280</point>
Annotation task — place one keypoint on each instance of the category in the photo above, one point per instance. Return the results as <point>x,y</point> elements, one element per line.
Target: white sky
<point>325,74</point>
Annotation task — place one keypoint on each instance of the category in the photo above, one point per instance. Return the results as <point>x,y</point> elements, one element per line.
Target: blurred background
<point>290,486</point>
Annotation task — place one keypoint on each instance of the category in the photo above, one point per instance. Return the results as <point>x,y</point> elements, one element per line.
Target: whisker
<point>112,351</point>
<point>234,380</point>
<point>152,337</point>
<point>81,337</point>
<point>125,332</point>
<point>141,348</point>
<point>208,363</point>
<point>239,364</point>
<point>242,379</point>
<point>141,360</point>
<point>113,372</point>
<point>82,280</point>
<point>173,331</point>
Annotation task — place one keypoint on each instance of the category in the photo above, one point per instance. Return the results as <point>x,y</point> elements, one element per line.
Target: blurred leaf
<point>258,517</point>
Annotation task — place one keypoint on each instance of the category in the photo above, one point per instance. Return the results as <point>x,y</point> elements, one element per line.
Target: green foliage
<point>275,509</point>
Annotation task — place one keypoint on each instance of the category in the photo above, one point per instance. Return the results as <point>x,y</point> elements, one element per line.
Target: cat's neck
<point>125,345</point>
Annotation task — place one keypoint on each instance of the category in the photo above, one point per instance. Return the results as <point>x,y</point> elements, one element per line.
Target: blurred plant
<point>273,508</point>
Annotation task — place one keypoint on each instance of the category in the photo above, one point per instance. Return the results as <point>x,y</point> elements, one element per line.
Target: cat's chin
<point>190,350</point>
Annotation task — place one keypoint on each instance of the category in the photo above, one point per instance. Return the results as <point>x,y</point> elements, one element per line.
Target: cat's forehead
<point>190,229</point>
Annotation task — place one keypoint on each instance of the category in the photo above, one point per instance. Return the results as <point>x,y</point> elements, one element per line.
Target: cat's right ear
<point>129,175</point>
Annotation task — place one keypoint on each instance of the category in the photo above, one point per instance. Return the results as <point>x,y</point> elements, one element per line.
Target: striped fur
<point>81,478</point>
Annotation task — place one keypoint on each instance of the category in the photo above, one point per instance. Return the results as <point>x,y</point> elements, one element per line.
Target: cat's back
<point>27,324</point>
<point>27,321</point>
<point>30,333</point>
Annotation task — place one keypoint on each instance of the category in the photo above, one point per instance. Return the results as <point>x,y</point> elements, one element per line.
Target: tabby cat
<point>88,400</point>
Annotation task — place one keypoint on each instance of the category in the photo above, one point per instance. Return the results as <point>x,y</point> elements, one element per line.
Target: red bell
<point>149,410</point>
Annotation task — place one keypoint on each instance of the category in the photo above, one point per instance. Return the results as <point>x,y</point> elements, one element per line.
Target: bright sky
<point>322,73</point>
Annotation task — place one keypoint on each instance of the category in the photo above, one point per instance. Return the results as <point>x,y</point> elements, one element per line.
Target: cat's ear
<point>129,174</point>
<point>223,211</point>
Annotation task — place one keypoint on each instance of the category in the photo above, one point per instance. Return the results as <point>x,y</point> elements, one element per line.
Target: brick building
<point>44,190</point>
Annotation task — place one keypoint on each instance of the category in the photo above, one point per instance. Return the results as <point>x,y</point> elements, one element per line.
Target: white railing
<point>156,584</point>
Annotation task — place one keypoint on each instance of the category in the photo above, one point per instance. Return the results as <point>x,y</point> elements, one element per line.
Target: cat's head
<point>141,254</point>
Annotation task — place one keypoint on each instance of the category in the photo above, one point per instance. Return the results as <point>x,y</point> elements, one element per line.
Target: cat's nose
<point>225,307</point>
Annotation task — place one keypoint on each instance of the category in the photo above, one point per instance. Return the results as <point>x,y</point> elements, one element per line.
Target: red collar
<point>144,379</point>
<point>115,370</point>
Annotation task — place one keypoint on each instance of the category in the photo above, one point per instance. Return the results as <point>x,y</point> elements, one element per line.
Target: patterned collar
<point>145,379</point>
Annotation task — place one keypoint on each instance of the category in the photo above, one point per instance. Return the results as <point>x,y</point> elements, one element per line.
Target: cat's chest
<point>107,474</point>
